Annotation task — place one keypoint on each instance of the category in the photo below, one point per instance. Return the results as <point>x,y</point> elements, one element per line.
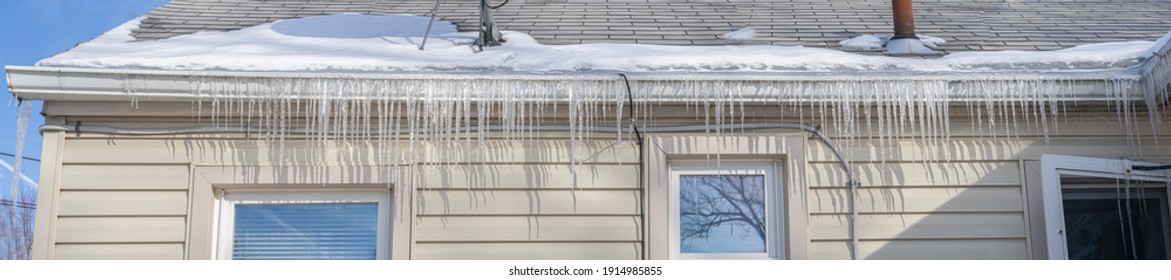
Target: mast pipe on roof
<point>904,20</point>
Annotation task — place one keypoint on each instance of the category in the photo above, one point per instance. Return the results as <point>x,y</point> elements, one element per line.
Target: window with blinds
<point>314,231</point>
<point>259,225</point>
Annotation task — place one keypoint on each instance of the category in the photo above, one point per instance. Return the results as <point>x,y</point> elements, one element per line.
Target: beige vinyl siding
<point>236,151</point>
<point>120,229</point>
<point>976,149</point>
<point>970,225</point>
<point>917,174</point>
<point>567,229</point>
<point>528,202</point>
<point>942,249</point>
<point>529,211</point>
<point>546,176</point>
<point>122,251</point>
<point>122,203</point>
<point>914,209</point>
<point>123,197</point>
<point>120,211</point>
<point>963,201</point>
<point>132,193</point>
<point>107,176</point>
<point>919,199</point>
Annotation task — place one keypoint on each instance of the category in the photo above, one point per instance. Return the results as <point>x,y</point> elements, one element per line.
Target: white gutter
<point>87,84</point>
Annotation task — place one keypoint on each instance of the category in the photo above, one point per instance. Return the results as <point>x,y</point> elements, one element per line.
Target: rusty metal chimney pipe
<point>904,19</point>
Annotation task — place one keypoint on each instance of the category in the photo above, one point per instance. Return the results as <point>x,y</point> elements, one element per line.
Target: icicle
<point>24,111</point>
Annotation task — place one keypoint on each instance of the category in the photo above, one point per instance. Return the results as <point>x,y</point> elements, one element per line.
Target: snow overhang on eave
<point>1138,82</point>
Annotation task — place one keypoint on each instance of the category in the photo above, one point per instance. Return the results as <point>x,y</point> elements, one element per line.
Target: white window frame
<point>787,149</point>
<point>774,216</point>
<point>226,212</point>
<point>1054,166</point>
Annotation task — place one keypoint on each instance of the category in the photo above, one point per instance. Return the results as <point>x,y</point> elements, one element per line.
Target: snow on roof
<point>364,43</point>
<point>876,42</point>
<point>985,25</point>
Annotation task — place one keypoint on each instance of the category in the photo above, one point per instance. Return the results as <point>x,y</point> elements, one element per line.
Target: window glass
<point>1115,224</point>
<point>309,231</point>
<point>303,225</point>
<point>724,211</point>
<point>722,214</point>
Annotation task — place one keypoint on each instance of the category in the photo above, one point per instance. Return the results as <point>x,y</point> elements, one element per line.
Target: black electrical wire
<point>630,98</point>
<point>1151,167</point>
<point>641,160</point>
<point>24,157</point>
<point>25,205</point>
<point>489,4</point>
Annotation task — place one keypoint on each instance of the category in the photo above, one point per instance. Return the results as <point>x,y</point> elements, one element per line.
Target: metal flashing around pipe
<point>908,47</point>
<point>904,41</point>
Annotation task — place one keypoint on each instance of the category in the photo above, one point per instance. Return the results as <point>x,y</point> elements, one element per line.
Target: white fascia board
<point>86,84</point>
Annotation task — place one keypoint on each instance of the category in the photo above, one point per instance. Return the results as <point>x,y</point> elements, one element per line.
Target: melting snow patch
<point>352,42</point>
<point>740,35</point>
<point>873,42</point>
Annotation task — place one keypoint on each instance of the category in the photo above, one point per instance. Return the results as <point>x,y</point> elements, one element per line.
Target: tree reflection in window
<point>722,213</point>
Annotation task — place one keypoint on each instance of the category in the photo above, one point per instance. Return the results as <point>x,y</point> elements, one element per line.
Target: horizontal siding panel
<point>539,228</point>
<point>164,251</point>
<point>608,151</point>
<point>527,251</point>
<point>1014,249</point>
<point>122,203</point>
<point>495,202</point>
<point>1003,148</point>
<point>120,229</point>
<point>1021,125</point>
<point>124,177</point>
<point>918,199</point>
<point>995,249</point>
<point>829,250</point>
<point>916,174</point>
<point>884,226</point>
<point>530,176</point>
<point>349,153</point>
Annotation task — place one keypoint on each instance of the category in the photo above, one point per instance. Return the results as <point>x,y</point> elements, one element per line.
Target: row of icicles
<point>422,121</point>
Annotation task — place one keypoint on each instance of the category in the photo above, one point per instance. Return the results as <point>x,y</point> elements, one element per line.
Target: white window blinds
<point>305,231</point>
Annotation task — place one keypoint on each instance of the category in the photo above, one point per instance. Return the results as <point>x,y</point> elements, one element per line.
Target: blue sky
<point>35,29</point>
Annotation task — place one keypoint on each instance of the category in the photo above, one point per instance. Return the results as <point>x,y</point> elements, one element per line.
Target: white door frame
<point>1053,166</point>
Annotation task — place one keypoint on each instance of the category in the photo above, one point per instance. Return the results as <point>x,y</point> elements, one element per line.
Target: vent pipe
<point>904,20</point>
<point>904,41</point>
<point>489,35</point>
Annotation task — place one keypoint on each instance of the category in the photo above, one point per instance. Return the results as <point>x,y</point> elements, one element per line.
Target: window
<point>1115,224</point>
<point>724,210</point>
<point>345,225</point>
<point>680,164</point>
<point>1105,209</point>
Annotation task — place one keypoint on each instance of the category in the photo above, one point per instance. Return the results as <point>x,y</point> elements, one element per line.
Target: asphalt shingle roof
<point>965,24</point>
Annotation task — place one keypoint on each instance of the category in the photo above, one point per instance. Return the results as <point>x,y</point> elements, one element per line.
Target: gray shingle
<point>966,24</point>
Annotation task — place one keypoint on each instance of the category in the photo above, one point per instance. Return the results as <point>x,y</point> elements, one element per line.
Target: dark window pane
<point>1100,226</point>
<point>343,231</point>
<point>722,213</point>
